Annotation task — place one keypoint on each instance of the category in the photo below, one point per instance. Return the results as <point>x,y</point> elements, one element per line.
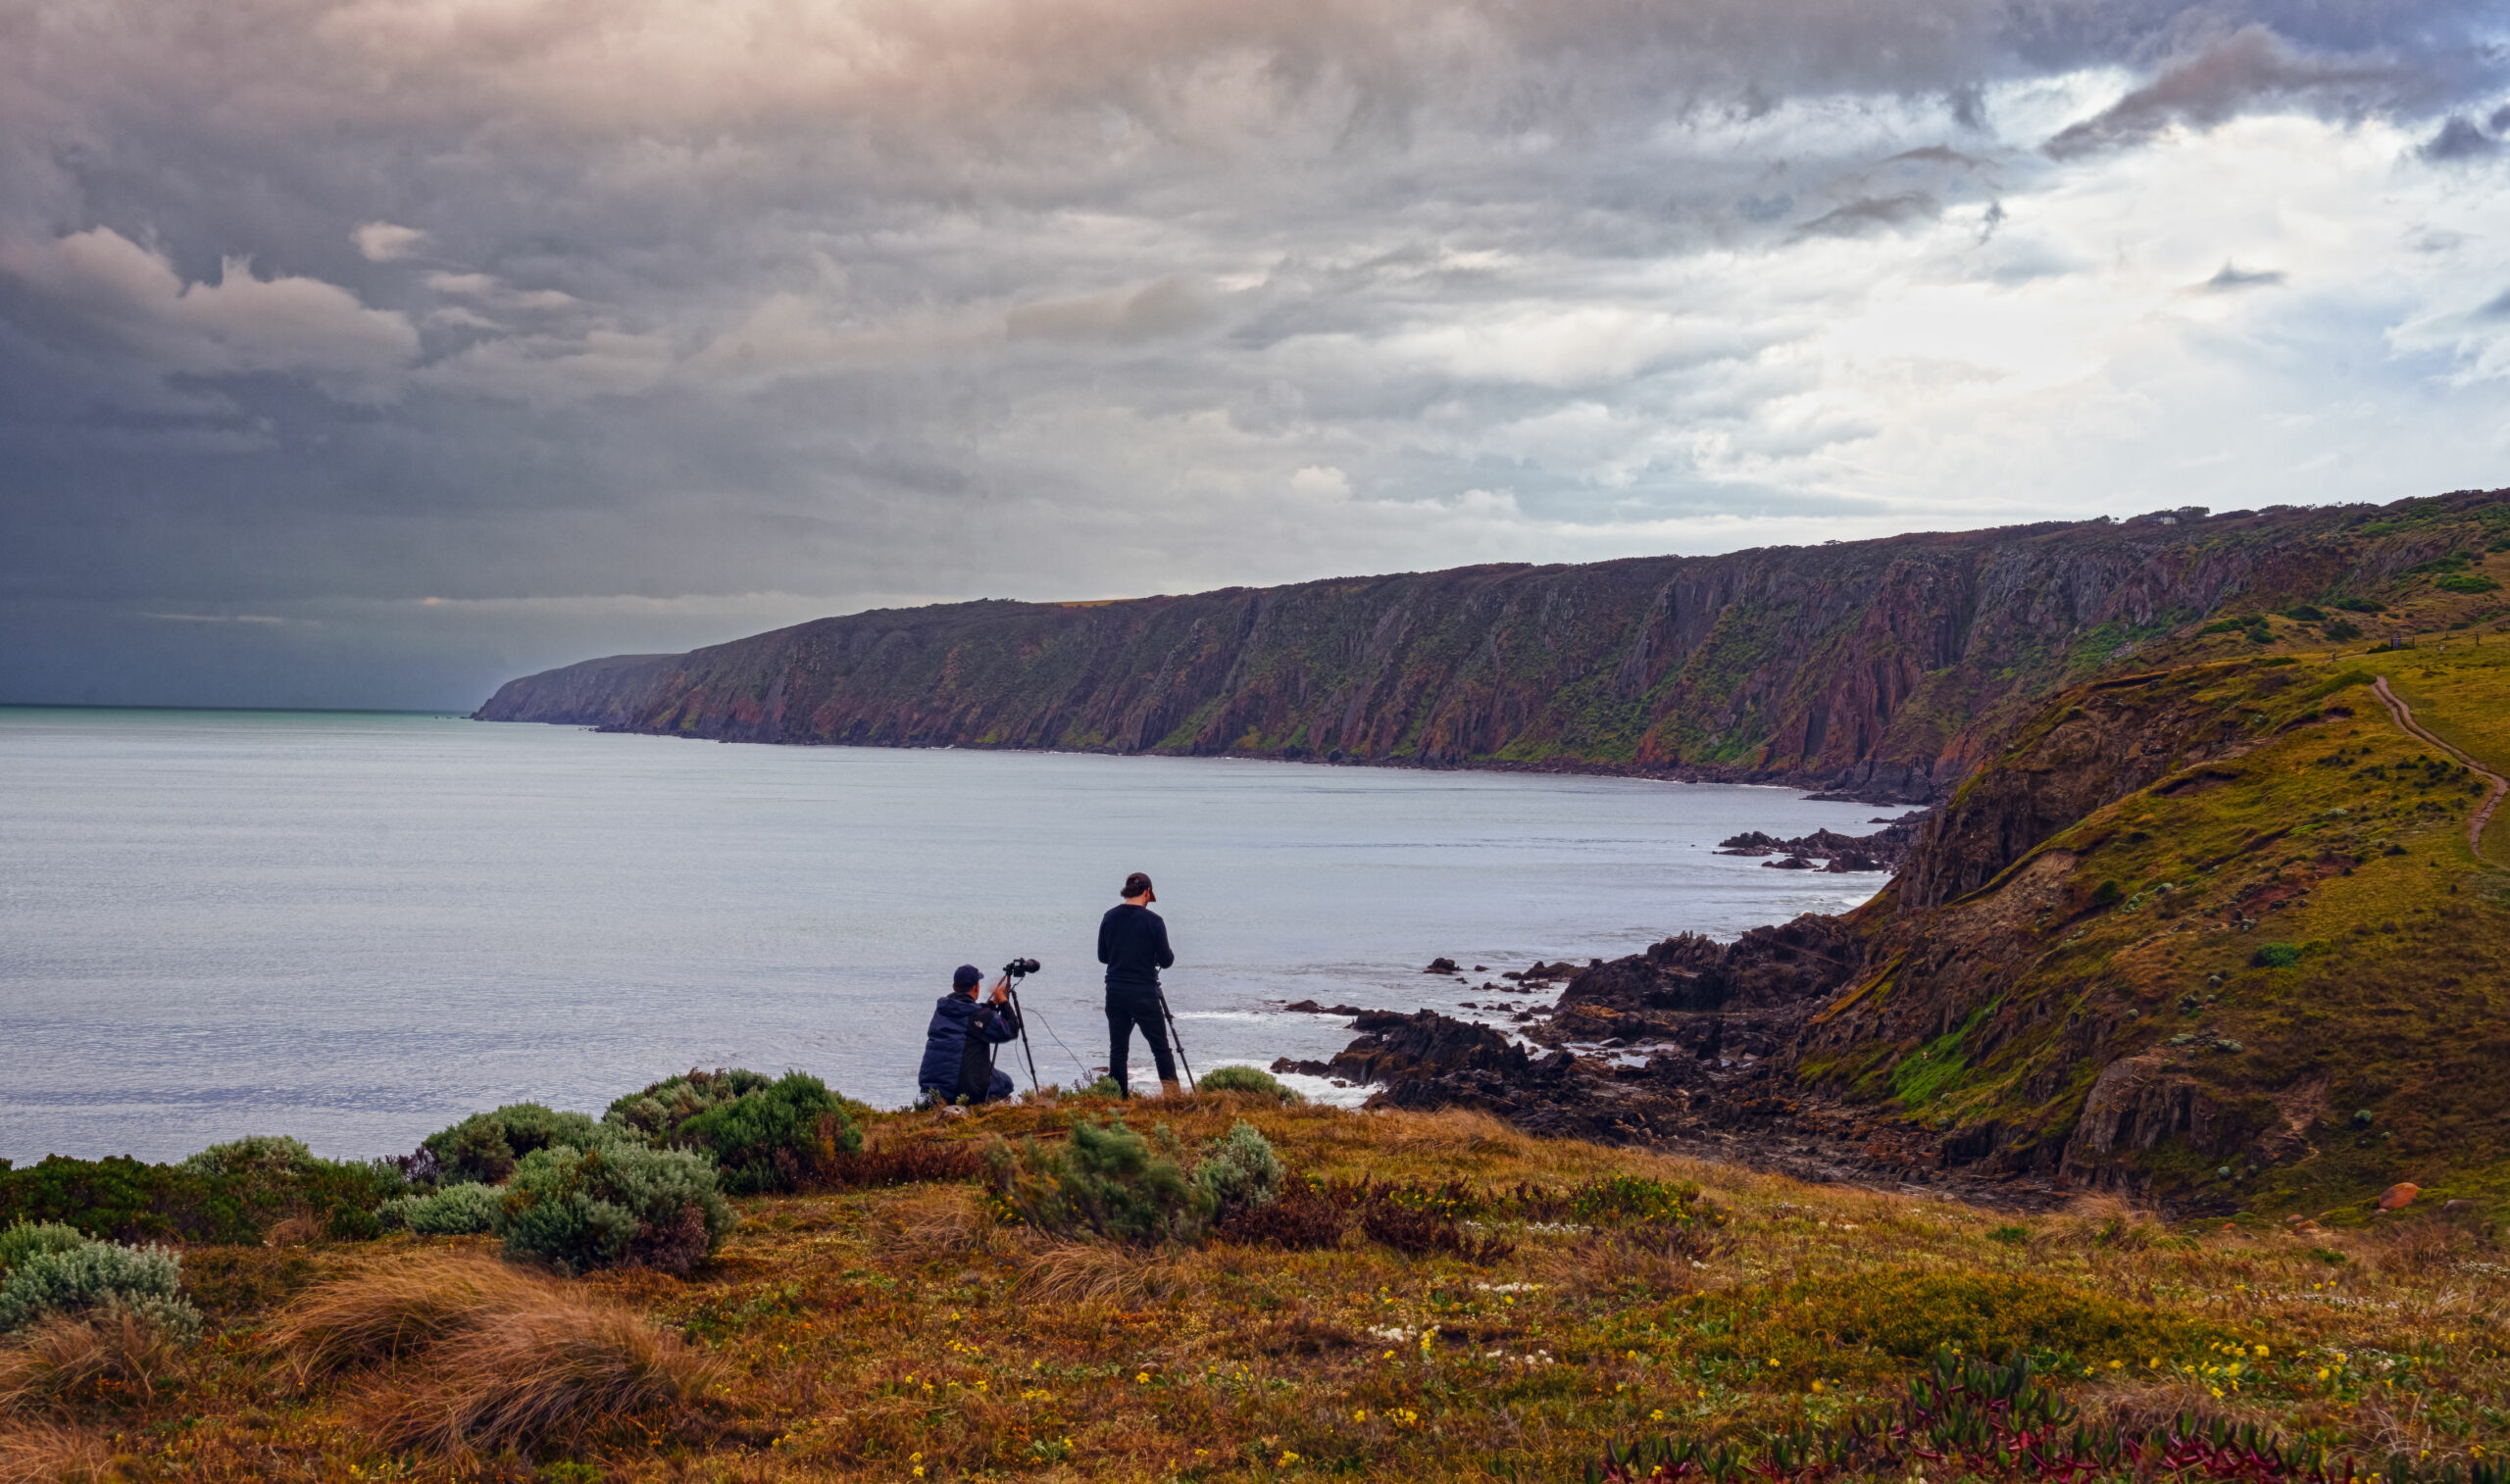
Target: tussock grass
<point>44,1453</point>
<point>100,1358</point>
<point>568,1366</point>
<point>497,1356</point>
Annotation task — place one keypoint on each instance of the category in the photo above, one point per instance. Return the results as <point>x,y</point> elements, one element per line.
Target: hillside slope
<point>1889,668</point>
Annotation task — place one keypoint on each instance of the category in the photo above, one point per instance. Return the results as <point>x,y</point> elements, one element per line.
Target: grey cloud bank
<point>371,352</point>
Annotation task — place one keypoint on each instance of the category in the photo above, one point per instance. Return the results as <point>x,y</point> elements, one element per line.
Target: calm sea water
<point>358,928</point>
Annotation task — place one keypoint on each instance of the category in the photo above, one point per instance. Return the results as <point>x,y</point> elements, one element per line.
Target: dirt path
<point>2403,716</point>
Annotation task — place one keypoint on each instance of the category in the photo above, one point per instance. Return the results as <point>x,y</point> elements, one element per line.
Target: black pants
<point>1123,1015</point>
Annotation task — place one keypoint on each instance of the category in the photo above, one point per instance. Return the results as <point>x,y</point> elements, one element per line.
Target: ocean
<point>357,928</point>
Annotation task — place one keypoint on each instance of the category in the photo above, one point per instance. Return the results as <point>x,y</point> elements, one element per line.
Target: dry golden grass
<point>568,1366</point>
<point>70,1360</point>
<point>388,1312</point>
<point>494,1355</point>
<point>1100,1272</point>
<point>43,1454</point>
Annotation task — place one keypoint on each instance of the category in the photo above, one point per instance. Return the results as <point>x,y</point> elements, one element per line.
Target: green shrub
<point>2358,605</point>
<point>2107,894</point>
<point>657,1113</point>
<point>783,1136</point>
<point>2276,954</point>
<point>1107,1180</point>
<point>2466,582</point>
<point>2011,1236</point>
<point>146,1282</point>
<point>616,1203</point>
<point>457,1210</point>
<point>232,1194</point>
<point>26,1239</point>
<point>486,1146</point>
<point>1250,1079</point>
<point>1239,1171</point>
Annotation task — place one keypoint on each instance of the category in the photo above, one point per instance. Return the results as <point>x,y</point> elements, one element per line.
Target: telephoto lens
<point>1019,966</point>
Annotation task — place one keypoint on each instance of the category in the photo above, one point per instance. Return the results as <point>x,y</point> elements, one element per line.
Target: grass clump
<point>482,1354</point>
<point>1251,1079</point>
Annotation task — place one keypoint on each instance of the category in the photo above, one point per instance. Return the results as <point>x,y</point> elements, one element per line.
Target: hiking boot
<point>1168,1088</point>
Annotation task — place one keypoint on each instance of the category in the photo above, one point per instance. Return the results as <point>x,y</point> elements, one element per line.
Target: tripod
<point>1177,1041</point>
<point>1022,1016</point>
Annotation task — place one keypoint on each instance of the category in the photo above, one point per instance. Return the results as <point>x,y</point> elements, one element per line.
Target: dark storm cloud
<point>663,321</point>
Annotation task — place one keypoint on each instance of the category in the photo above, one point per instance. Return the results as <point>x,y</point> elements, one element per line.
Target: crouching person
<point>958,1046</point>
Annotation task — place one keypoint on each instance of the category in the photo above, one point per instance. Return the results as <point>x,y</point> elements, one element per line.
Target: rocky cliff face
<point>1889,669</point>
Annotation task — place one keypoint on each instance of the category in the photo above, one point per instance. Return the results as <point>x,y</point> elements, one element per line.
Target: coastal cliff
<point>1887,669</point>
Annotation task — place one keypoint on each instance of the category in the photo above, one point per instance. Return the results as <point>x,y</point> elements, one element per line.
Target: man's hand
<point>1002,989</point>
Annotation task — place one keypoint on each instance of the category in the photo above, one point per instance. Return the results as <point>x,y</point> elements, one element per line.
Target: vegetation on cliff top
<point>904,1333</point>
<point>2251,959</point>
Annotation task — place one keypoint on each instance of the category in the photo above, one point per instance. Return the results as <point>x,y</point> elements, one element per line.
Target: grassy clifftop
<point>2217,930</point>
<point>1891,666</point>
<point>908,1333</point>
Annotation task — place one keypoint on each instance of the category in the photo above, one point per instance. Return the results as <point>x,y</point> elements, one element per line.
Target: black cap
<point>968,977</point>
<point>1139,885</point>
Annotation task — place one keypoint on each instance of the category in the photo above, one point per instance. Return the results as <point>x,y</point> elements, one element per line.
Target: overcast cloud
<point>368,352</point>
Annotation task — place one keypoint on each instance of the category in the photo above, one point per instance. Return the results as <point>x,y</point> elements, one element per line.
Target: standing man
<point>1132,942</point>
<point>958,1046</point>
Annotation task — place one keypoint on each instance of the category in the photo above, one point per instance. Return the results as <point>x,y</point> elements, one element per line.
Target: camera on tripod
<point>1019,968</point>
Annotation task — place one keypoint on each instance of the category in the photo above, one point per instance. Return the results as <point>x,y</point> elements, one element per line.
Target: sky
<point>367,353</point>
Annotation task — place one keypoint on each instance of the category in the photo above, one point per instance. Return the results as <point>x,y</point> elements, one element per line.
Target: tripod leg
<point>1176,1040</point>
<point>1025,1049</point>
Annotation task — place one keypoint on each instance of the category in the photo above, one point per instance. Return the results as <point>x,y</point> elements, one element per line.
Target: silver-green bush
<point>457,1210</point>
<point>98,1275</point>
<point>619,1204</point>
<point>1239,1170</point>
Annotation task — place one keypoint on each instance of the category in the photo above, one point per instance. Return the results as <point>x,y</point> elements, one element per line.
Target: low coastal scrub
<point>1597,1309</point>
<point>232,1193</point>
<point>1250,1079</point>
<point>1107,1180</point>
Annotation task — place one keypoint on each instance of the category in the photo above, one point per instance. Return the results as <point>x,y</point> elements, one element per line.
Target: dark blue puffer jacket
<point>955,1020</point>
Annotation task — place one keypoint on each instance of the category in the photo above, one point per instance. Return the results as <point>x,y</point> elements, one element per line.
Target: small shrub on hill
<point>783,1136</point>
<point>1239,1171</point>
<point>26,1239</point>
<point>485,1147</point>
<point>618,1203</point>
<point>1107,1180</point>
<point>1251,1079</point>
<point>457,1210</point>
<point>145,1282</point>
<point>657,1113</point>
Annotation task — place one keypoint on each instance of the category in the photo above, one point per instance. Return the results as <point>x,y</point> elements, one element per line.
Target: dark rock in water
<point>1884,849</point>
<point>1423,1044</point>
<point>1440,967</point>
<point>1311,1007</point>
<point>1791,862</point>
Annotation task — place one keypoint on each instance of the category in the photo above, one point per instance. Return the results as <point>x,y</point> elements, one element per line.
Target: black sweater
<point>1132,942</point>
